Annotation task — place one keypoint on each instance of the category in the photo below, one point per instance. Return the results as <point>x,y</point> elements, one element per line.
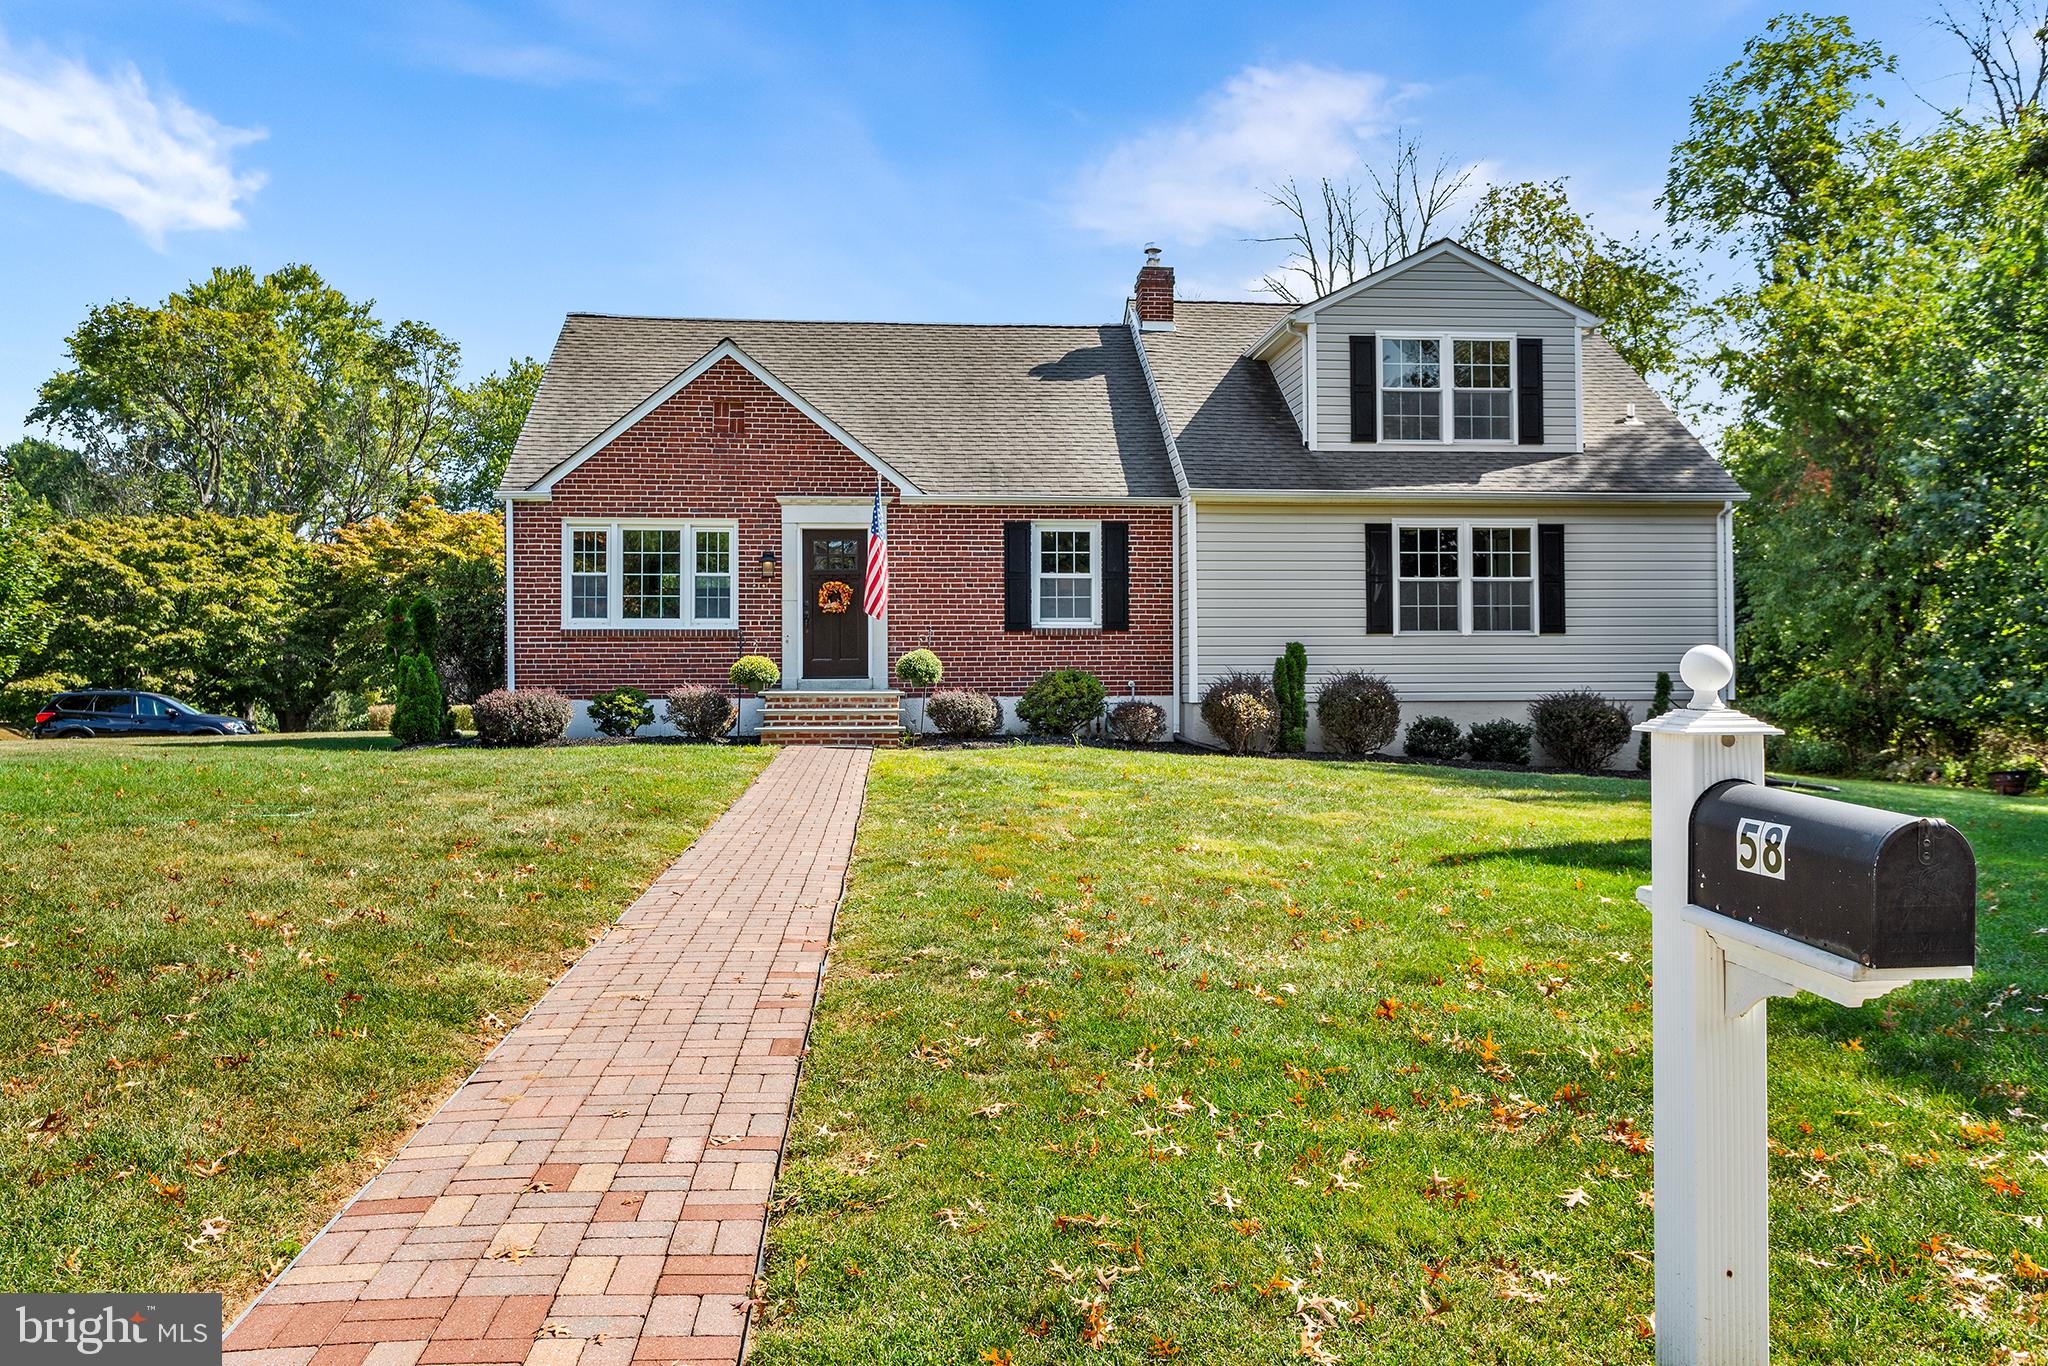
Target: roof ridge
<point>841,322</point>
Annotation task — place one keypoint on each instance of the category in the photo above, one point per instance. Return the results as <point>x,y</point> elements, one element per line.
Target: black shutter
<point>1379,578</point>
<point>1529,390</point>
<point>1016,576</point>
<point>1550,578</point>
<point>1365,388</point>
<point>1116,576</point>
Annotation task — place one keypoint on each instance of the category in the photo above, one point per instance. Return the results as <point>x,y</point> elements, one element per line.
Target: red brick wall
<point>946,563</point>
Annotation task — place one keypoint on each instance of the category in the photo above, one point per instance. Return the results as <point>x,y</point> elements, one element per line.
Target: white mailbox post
<point>1712,973</point>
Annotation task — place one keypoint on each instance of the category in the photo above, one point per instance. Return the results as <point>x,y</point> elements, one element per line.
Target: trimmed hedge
<point>962,714</point>
<point>1243,711</point>
<point>699,712</point>
<point>518,720</point>
<point>1498,742</point>
<point>1579,729</point>
<point>620,712</point>
<point>1359,712</point>
<point>1434,737</point>
<point>1062,702</point>
<point>1137,723</point>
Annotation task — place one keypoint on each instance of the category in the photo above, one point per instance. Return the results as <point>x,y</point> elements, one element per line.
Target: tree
<point>2008,47</point>
<point>1350,231</point>
<point>62,480</point>
<point>26,614</point>
<point>457,559</point>
<point>253,395</point>
<point>483,424</point>
<point>1643,296</point>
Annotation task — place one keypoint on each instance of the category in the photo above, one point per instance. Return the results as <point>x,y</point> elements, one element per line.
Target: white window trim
<point>1446,408</point>
<point>614,545</point>
<point>1465,527</point>
<point>1094,530</point>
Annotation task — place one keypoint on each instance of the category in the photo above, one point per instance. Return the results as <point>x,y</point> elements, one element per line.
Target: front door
<point>835,626</point>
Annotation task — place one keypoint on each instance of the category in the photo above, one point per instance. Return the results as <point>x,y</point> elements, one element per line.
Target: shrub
<point>964,715</point>
<point>1245,727</point>
<point>380,715</point>
<point>700,712</point>
<point>520,719</point>
<point>1359,712</point>
<point>1579,729</point>
<point>462,716</point>
<point>341,710</point>
<point>263,719</point>
<point>620,712</point>
<point>754,673</point>
<point>1137,723</point>
<point>24,697</point>
<point>1433,737</point>
<point>1499,742</point>
<point>1290,688</point>
<point>417,719</point>
<point>1062,702</point>
<point>1660,702</point>
<point>920,669</point>
<point>1805,752</point>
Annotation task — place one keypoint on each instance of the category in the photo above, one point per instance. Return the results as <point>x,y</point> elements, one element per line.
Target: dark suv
<point>107,711</point>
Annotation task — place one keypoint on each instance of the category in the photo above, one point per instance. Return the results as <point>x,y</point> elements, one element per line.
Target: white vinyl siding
<point>1287,374</point>
<point>1445,297</point>
<point>1639,592</point>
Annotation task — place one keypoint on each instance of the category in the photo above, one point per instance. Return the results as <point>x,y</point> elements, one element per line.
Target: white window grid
<point>1066,575</point>
<point>1439,395</point>
<point>650,574</point>
<point>1514,587</point>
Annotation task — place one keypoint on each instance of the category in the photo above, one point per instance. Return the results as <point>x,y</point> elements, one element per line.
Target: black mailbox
<point>1886,890</point>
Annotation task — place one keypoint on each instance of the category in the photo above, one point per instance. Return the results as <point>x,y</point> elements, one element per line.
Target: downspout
<point>1177,619</point>
<point>510,616</point>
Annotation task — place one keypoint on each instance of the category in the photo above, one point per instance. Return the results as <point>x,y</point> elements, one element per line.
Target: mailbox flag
<point>875,600</point>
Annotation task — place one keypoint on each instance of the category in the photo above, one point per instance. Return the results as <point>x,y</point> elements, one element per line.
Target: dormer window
<point>1477,404</point>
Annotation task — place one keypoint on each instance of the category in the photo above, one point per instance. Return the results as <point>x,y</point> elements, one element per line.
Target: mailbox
<point>1880,888</point>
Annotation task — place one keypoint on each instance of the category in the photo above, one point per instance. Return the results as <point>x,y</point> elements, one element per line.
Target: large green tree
<point>1642,293</point>
<point>483,423</point>
<point>27,615</point>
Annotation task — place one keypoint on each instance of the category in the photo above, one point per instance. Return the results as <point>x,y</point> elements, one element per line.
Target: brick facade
<point>946,561</point>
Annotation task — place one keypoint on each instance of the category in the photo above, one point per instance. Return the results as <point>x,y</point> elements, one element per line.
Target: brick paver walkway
<point>596,1194</point>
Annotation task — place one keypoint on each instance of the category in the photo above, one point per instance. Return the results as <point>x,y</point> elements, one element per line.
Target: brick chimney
<point>1155,293</point>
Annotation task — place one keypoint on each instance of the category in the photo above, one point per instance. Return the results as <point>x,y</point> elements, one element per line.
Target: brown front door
<point>835,643</point>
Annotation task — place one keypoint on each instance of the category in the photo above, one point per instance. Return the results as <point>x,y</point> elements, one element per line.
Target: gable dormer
<point>1443,349</point>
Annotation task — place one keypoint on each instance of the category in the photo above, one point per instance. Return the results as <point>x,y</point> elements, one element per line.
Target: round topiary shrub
<point>699,712</point>
<point>1062,702</point>
<point>1499,742</point>
<point>754,673</point>
<point>964,715</point>
<point>1243,712</point>
<point>919,669</point>
<point>1433,737</point>
<point>1137,723</point>
<point>620,712</point>
<point>1579,729</point>
<point>519,719</point>
<point>1359,712</point>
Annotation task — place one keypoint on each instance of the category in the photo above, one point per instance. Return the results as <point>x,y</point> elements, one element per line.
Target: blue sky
<point>487,168</point>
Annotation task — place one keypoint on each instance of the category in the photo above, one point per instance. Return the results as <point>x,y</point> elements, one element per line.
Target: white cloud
<point>111,141</point>
<point>1206,175</point>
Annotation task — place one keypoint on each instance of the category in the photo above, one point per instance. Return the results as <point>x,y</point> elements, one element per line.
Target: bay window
<point>670,575</point>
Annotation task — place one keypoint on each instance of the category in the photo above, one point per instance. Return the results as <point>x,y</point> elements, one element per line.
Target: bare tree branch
<point>1336,239</point>
<point>2008,45</point>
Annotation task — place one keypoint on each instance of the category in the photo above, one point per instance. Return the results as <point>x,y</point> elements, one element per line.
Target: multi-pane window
<point>1411,382</point>
<point>667,574</point>
<point>1429,578</point>
<point>589,574</point>
<point>651,574</point>
<point>1503,579</point>
<point>1446,388</point>
<point>714,575</point>
<point>1479,391</point>
<point>1066,592</point>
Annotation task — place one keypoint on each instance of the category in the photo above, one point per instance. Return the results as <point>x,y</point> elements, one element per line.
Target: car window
<point>114,704</point>
<point>145,705</point>
<point>71,702</point>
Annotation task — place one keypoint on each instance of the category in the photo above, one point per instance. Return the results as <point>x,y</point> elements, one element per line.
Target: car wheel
<point>76,733</point>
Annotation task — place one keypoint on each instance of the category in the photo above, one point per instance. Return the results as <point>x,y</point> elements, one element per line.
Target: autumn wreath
<point>834,596</point>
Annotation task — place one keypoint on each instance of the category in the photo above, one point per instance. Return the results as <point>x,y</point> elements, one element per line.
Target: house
<point>1441,473</point>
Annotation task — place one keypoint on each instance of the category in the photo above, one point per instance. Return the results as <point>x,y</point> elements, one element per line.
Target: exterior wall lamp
<point>769,564</point>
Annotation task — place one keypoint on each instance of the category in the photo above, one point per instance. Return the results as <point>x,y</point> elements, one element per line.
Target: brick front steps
<point>825,717</point>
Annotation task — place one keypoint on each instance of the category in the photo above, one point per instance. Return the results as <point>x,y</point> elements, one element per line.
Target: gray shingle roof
<point>957,410</point>
<point>1233,431</point>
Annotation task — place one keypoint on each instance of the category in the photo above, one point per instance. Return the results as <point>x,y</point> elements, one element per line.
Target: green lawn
<point>233,974</point>
<point>1182,1053</point>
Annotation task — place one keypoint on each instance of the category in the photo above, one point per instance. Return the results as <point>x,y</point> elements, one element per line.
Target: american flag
<point>875,598</point>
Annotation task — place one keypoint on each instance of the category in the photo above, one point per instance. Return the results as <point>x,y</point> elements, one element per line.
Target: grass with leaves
<point>232,974</point>
<point>1128,1057</point>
